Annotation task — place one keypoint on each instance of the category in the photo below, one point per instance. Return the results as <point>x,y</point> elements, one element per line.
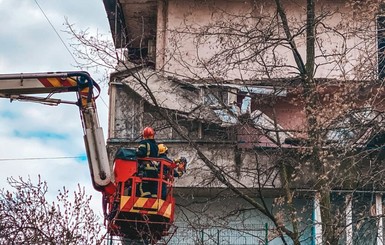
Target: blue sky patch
<point>8,114</point>
<point>40,134</point>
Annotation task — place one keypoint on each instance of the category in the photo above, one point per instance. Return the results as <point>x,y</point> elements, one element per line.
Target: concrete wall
<point>230,220</point>
<point>233,152</point>
<point>190,34</point>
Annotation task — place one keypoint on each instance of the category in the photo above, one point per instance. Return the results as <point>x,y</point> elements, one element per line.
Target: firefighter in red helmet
<point>148,146</point>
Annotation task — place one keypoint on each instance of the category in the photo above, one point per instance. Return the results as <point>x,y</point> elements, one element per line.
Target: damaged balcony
<point>227,106</point>
<point>230,120</point>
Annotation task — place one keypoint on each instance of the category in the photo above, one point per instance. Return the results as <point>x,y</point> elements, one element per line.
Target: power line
<point>62,41</point>
<point>103,101</point>
<point>39,158</point>
<point>66,47</point>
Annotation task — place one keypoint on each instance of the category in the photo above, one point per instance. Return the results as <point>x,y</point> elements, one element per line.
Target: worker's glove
<point>182,163</point>
<point>181,168</point>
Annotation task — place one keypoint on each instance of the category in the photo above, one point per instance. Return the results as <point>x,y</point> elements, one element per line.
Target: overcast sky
<point>30,130</point>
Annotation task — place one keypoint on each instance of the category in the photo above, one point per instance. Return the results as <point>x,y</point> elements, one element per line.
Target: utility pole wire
<point>66,47</point>
<point>62,41</point>
<point>39,158</point>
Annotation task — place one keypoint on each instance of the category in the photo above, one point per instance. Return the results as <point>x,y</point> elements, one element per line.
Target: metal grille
<point>244,235</point>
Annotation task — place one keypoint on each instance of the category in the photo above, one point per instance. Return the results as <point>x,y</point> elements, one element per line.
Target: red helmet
<point>148,132</point>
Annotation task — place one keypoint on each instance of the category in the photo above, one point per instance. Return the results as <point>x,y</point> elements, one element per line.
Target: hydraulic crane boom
<point>25,87</point>
<point>138,218</point>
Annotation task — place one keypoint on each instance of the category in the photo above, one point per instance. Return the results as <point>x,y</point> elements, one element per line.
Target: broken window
<point>357,126</point>
<point>215,96</point>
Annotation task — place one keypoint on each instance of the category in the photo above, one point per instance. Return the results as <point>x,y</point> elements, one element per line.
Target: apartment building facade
<point>222,83</point>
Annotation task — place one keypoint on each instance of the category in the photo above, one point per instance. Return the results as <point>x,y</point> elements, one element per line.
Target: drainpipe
<point>317,223</point>
<point>349,219</point>
<point>266,234</point>
<point>380,226</point>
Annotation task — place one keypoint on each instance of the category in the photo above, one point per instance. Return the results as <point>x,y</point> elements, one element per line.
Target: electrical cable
<point>103,101</point>
<point>39,158</point>
<point>53,27</point>
<point>62,41</point>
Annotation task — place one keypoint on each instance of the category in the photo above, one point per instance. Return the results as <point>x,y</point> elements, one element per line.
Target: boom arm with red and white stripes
<point>25,87</point>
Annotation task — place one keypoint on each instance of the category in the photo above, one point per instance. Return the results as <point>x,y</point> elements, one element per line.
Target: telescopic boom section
<point>25,86</point>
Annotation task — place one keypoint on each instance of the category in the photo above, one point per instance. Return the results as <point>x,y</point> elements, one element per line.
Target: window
<point>216,96</point>
<point>356,126</point>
